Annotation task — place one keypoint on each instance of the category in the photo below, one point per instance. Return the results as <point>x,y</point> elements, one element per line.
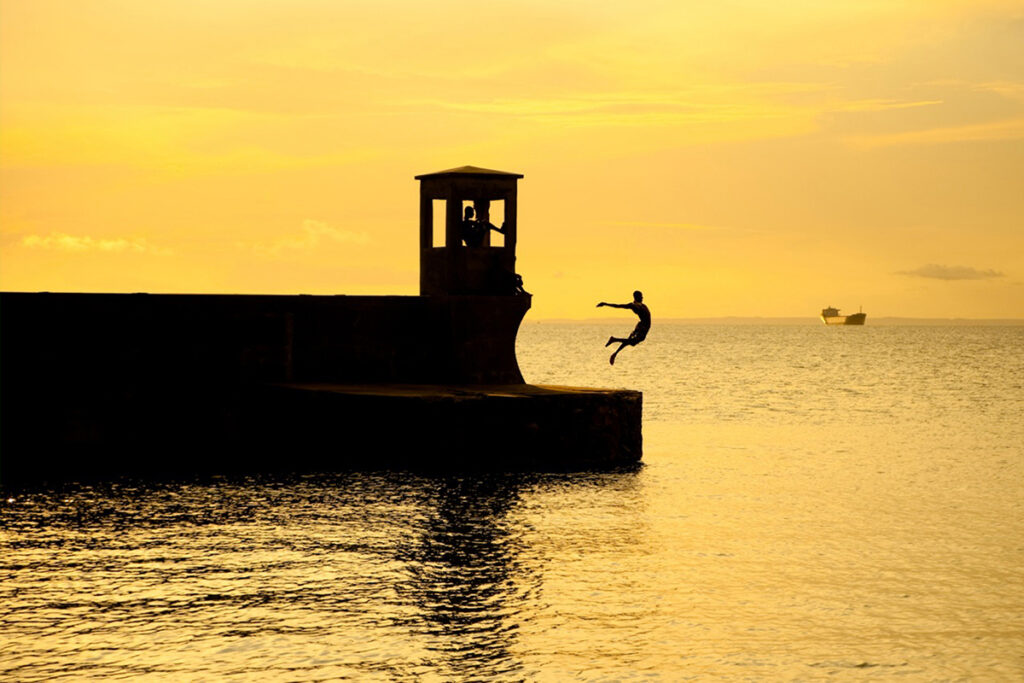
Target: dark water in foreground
<point>815,502</point>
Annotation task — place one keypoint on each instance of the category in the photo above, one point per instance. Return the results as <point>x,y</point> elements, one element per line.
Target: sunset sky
<point>732,158</point>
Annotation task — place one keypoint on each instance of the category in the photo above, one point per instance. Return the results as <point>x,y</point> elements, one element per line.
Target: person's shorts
<point>638,334</point>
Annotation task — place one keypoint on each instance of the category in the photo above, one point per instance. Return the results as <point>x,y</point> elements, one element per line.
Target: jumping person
<point>639,332</point>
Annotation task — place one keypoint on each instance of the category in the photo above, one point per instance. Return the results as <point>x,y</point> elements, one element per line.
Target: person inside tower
<point>474,231</point>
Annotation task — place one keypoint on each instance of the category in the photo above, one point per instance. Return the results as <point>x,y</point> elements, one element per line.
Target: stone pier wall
<point>113,338</point>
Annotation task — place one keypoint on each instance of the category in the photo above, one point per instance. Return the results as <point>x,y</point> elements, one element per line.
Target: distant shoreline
<point>810,320</point>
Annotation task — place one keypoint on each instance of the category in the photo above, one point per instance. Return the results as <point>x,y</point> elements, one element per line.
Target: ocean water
<point>815,503</point>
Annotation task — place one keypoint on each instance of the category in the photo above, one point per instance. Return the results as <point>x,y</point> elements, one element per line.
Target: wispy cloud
<point>999,130</point>
<point>697,103</point>
<point>937,272</point>
<point>1008,89</point>
<point>59,241</point>
<point>669,225</point>
<point>313,234</point>
<point>881,105</point>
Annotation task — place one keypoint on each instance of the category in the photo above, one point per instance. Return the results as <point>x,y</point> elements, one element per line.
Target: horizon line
<point>785,320</point>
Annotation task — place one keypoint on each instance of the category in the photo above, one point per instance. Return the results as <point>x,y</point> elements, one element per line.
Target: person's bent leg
<point>624,344</point>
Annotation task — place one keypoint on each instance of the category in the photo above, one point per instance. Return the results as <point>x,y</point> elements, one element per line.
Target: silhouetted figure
<point>639,332</point>
<point>512,283</point>
<point>474,231</point>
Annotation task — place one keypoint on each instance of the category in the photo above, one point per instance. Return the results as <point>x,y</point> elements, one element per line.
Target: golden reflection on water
<point>351,575</point>
<point>463,580</point>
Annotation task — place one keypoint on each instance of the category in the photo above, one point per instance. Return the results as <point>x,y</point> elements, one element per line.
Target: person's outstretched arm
<point>612,305</point>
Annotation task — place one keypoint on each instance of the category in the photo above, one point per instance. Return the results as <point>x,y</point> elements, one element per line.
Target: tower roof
<point>469,171</point>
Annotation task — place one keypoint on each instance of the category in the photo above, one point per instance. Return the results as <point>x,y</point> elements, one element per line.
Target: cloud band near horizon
<point>941,272</point>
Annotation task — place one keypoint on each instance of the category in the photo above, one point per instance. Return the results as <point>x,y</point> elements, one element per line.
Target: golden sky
<point>731,158</point>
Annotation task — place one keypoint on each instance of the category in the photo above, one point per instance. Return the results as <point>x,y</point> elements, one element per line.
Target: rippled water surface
<point>816,502</point>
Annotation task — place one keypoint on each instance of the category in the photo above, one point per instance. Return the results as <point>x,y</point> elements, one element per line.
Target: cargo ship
<point>830,316</point>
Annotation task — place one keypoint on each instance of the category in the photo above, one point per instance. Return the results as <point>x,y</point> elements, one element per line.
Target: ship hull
<point>855,319</point>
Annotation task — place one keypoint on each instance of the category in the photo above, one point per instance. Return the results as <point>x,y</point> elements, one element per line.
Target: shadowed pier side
<point>516,426</point>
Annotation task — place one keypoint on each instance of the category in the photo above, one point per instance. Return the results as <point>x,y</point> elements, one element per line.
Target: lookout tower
<point>462,250</point>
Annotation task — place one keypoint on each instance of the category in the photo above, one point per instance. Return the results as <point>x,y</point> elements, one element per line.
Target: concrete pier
<point>110,384</point>
<point>138,384</point>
